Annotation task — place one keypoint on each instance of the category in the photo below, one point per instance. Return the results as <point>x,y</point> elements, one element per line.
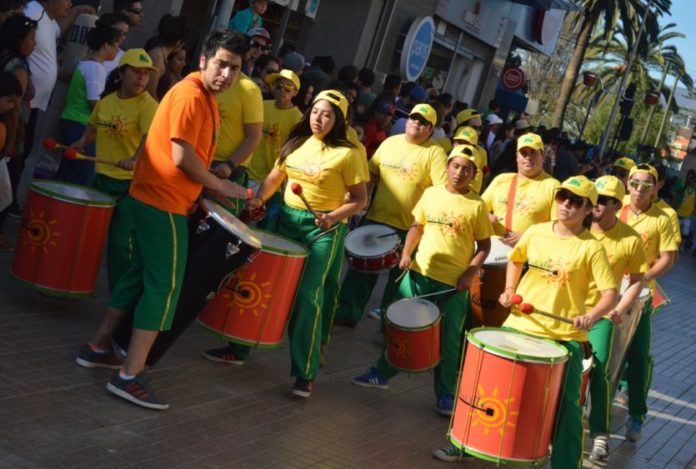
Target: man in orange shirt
<point>169,176</point>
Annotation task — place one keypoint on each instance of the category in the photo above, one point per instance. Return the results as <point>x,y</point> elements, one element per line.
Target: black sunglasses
<point>135,11</point>
<point>259,45</point>
<point>575,200</point>
<point>420,119</point>
<point>604,199</point>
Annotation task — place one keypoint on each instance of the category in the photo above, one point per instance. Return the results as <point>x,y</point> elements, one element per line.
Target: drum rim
<point>501,352</point>
<point>274,250</point>
<point>350,253</point>
<point>247,238</point>
<point>492,458</point>
<point>37,186</point>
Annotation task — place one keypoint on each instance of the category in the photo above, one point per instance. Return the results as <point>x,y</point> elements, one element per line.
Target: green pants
<point>568,440</point>
<point>312,313</point>
<point>357,288</point>
<point>153,282</point>
<point>119,247</point>
<point>453,309</point>
<point>639,366</point>
<point>601,338</point>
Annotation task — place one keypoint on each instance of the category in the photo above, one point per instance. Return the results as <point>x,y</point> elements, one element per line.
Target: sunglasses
<point>576,201</point>
<point>282,87</point>
<point>135,11</point>
<point>420,119</point>
<point>259,45</point>
<point>620,173</point>
<point>604,199</point>
<point>641,185</point>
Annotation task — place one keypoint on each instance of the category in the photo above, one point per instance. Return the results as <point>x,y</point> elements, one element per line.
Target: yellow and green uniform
<point>558,282</point>
<point>325,173</point>
<point>120,125</point>
<point>688,203</point>
<point>626,255</point>
<point>656,231</point>
<point>532,201</point>
<point>405,170</point>
<point>673,218</point>
<point>452,223</point>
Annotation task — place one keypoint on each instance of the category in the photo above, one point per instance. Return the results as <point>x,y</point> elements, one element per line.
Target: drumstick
<point>72,154</point>
<point>51,144</point>
<point>297,190</point>
<point>526,308</point>
<point>436,293</point>
<point>388,234</point>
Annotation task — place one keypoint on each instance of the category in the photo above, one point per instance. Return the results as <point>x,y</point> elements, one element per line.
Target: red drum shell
<point>413,335</point>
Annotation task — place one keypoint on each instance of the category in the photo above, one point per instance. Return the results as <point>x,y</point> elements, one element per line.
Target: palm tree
<point>608,14</point>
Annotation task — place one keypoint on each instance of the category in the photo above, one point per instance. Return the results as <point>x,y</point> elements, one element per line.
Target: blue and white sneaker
<point>633,428</point>
<point>445,404</point>
<point>371,379</point>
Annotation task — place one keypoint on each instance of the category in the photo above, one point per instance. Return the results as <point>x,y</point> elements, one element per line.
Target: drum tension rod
<point>487,410</point>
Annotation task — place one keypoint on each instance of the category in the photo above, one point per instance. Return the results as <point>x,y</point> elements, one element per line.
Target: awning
<point>569,5</point>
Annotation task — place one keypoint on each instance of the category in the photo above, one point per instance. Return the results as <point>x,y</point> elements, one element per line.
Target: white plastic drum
<point>499,253</point>
<point>231,223</point>
<point>373,248</point>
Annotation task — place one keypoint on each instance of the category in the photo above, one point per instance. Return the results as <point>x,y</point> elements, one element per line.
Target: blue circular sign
<point>417,47</point>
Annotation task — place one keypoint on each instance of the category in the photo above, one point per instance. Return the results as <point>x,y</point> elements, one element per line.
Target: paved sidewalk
<point>56,414</point>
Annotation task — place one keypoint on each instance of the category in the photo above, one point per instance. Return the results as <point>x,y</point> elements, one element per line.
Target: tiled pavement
<point>55,414</point>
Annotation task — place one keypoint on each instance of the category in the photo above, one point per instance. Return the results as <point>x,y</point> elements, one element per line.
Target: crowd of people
<point>447,179</point>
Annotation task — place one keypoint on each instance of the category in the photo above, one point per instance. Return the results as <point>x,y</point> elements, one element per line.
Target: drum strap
<point>624,213</point>
<point>512,191</point>
<point>212,108</point>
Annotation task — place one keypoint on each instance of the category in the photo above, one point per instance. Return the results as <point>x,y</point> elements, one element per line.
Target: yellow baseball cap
<point>610,186</point>
<point>468,134</point>
<point>467,114</point>
<point>334,97</point>
<point>647,169</point>
<point>580,185</point>
<point>464,151</point>
<point>284,73</point>
<point>530,140</point>
<point>426,111</point>
<point>624,162</point>
<point>136,58</point>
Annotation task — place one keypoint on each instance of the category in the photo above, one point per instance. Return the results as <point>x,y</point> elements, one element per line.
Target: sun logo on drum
<point>254,299</point>
<point>501,415</point>
<point>400,347</point>
<point>39,233</point>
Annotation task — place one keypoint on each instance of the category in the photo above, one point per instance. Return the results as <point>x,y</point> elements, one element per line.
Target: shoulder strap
<point>624,213</point>
<point>512,191</point>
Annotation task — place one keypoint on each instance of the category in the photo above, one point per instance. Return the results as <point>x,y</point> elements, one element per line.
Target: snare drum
<point>587,364</point>
<point>219,244</point>
<point>64,230</point>
<point>487,287</point>
<point>413,335</point>
<point>373,248</point>
<point>508,393</point>
<point>254,306</point>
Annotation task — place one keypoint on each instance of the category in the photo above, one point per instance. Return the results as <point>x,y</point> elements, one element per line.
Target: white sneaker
<point>375,314</point>
<point>600,448</point>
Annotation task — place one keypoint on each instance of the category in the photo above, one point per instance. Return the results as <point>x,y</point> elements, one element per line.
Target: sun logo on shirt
<point>407,171</point>
<point>272,134</point>
<point>451,225</point>
<point>524,204</point>
<point>555,272</point>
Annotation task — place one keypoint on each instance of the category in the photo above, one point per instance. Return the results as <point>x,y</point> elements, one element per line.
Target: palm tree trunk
<point>572,71</point>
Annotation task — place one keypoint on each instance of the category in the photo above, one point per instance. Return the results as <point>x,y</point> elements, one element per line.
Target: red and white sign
<point>513,78</point>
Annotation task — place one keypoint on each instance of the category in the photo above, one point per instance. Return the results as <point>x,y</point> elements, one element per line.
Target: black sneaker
<point>136,390</point>
<point>302,388</point>
<point>91,359</point>
<point>223,355</point>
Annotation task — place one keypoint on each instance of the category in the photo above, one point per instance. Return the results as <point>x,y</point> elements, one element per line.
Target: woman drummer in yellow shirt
<point>318,157</point>
<point>563,259</point>
<point>119,123</point>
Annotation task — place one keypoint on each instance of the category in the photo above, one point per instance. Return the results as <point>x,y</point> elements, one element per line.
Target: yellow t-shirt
<point>558,280</point>
<point>452,223</point>
<point>688,204</point>
<point>241,104</point>
<point>352,137</point>
<point>445,143</point>
<point>534,201</point>
<point>277,124</point>
<point>324,173</point>
<point>625,252</point>
<point>405,171</point>
<point>655,229</point>
<point>120,125</point>
<point>673,218</point>
<point>481,162</point>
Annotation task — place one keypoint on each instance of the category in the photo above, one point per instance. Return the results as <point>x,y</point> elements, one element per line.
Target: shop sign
<point>417,47</point>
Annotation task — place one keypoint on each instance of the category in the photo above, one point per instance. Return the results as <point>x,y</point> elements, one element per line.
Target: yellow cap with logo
<point>645,168</point>
<point>580,185</point>
<point>530,140</point>
<point>468,134</point>
<point>610,186</point>
<point>426,111</point>
<point>624,162</point>
<point>464,151</point>
<point>136,58</point>
<point>272,78</point>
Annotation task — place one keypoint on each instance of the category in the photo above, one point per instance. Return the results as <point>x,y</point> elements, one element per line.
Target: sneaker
<point>371,380</point>
<point>621,398</point>
<point>450,454</point>
<point>345,322</point>
<point>119,351</point>
<point>91,359</point>
<point>223,355</point>
<point>302,388</point>
<point>600,448</point>
<point>375,314</point>
<point>136,390</point>
<point>633,428</point>
<point>445,404</point>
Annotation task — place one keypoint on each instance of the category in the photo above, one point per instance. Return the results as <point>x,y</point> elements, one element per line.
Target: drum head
<point>412,313</point>
<point>364,241</point>
<point>499,252</point>
<point>81,195</point>
<point>231,223</point>
<point>280,244</point>
<point>512,344</point>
